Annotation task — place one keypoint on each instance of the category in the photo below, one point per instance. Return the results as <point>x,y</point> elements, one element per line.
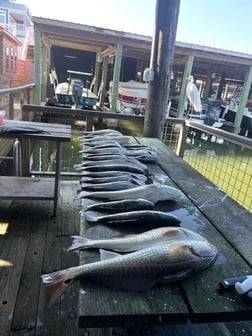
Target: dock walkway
<point>35,244</point>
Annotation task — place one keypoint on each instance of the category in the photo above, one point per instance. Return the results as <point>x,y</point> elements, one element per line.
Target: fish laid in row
<point>119,177</point>
<point>109,186</point>
<point>121,139</point>
<point>106,173</point>
<point>117,161</point>
<point>134,242</point>
<point>120,167</point>
<point>138,270</point>
<point>106,131</point>
<point>138,217</point>
<point>124,205</point>
<point>151,192</point>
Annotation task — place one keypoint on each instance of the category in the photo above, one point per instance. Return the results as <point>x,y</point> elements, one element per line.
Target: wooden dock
<point>36,243</point>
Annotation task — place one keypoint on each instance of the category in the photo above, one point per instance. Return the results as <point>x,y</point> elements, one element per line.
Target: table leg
<point>57,176</point>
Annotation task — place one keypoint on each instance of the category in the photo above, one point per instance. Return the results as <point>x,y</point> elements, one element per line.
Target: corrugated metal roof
<point>138,37</point>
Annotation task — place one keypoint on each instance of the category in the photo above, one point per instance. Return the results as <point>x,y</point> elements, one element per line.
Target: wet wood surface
<point>204,209</point>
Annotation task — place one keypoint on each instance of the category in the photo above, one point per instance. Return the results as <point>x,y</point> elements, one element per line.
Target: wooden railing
<point>16,95</point>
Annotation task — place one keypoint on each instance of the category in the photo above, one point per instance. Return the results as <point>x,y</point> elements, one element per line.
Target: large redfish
<point>138,270</point>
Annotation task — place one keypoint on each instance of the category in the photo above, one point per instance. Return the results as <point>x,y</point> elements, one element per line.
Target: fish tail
<point>55,285</point>
<point>78,243</point>
<point>90,217</point>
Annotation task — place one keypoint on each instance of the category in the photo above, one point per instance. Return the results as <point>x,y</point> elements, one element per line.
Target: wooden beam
<point>108,52</point>
<point>116,76</point>
<point>37,65</point>
<point>243,100</point>
<point>162,53</point>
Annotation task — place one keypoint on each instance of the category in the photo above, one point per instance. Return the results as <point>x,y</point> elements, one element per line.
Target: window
<point>7,59</point>
<point>2,16</point>
<point>12,60</point>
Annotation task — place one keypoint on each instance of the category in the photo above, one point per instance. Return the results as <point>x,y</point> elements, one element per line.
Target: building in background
<point>16,37</point>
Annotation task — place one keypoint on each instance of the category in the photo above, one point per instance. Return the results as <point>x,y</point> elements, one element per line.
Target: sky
<point>224,24</point>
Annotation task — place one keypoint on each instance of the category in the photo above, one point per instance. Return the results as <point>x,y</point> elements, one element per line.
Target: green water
<point>228,166</point>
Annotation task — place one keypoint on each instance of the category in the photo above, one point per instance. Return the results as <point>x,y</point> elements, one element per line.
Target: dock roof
<point>231,64</point>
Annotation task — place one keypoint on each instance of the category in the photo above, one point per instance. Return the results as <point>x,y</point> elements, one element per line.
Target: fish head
<point>204,251</point>
<point>166,192</point>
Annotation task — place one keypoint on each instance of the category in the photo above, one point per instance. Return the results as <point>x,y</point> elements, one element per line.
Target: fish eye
<point>67,281</point>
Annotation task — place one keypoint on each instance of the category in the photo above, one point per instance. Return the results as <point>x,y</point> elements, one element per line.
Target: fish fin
<point>55,285</point>
<point>105,254</point>
<point>90,217</point>
<point>78,243</point>
<point>136,182</point>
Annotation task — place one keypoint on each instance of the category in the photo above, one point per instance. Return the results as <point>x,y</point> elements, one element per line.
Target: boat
<point>73,94</point>
<point>132,97</point>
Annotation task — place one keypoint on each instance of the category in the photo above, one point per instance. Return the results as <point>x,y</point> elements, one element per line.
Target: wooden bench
<point>25,187</point>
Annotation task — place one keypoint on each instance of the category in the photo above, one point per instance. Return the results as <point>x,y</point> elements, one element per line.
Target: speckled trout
<point>151,192</point>
<point>138,270</point>
<point>138,241</point>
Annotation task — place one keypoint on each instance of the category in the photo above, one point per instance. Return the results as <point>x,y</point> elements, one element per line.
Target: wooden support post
<point>37,65</point>
<point>11,106</point>
<point>182,140</point>
<point>44,73</point>
<point>220,88</point>
<point>182,97</point>
<point>243,100</point>
<point>162,53</point>
<point>25,155</point>
<point>104,80</point>
<point>116,76</point>
<point>96,73</point>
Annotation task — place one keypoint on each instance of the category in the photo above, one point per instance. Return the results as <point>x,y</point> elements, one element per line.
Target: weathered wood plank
<point>56,257</point>
<point>25,315</point>
<point>28,188</point>
<point>13,251</point>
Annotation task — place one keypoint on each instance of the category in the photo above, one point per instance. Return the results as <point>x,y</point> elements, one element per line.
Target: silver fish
<point>100,144</point>
<point>138,270</point>
<point>121,139</point>
<point>106,173</point>
<point>105,151</point>
<point>122,205</point>
<point>120,167</point>
<point>118,161</point>
<point>120,177</point>
<point>138,217</point>
<point>138,241</point>
<point>100,157</point>
<point>146,157</point>
<point>116,185</point>
<point>151,192</point>
<point>101,132</point>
